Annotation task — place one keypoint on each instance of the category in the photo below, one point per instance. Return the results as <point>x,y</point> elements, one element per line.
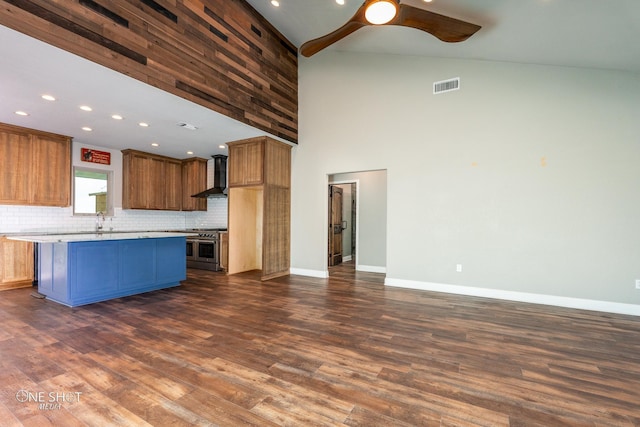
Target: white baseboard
<point>578,303</point>
<point>371,268</point>
<point>347,258</point>
<point>311,273</point>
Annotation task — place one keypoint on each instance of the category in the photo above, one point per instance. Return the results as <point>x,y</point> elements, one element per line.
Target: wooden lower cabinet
<point>224,250</point>
<point>16,264</point>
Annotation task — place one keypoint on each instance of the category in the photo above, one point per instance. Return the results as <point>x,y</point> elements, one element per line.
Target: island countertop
<point>88,237</point>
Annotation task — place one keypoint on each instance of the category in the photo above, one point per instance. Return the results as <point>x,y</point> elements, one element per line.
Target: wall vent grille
<point>446,85</point>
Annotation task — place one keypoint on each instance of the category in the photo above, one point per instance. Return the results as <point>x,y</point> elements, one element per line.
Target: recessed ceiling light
<point>86,108</point>
<point>143,124</point>
<point>155,144</point>
<point>222,146</point>
<point>189,152</point>
<point>340,2</point>
<point>22,113</point>
<point>87,129</point>
<point>48,97</point>
<point>276,3</point>
<point>117,117</point>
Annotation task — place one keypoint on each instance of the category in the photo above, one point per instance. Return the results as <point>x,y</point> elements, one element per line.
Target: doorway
<point>362,228</point>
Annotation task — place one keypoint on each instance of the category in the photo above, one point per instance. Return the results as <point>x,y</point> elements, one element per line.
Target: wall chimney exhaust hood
<point>219,188</point>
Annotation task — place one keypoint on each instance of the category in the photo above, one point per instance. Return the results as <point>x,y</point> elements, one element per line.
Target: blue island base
<point>78,273</point>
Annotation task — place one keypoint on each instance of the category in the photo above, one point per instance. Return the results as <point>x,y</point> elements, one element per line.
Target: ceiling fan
<point>392,12</point>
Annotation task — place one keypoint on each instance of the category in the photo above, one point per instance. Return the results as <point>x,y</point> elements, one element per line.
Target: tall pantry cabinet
<point>259,206</point>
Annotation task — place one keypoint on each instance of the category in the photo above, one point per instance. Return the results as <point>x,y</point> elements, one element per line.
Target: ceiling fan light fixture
<point>381,11</point>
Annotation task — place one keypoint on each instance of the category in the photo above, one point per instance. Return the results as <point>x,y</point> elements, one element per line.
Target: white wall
<point>528,176</point>
<point>23,219</point>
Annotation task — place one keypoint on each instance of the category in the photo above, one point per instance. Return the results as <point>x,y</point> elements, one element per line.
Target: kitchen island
<point>78,269</point>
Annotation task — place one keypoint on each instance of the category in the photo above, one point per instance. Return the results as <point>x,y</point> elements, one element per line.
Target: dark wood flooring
<point>298,351</point>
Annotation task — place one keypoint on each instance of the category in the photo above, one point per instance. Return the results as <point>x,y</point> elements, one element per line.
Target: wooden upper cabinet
<point>35,167</point>
<point>135,179</point>
<point>15,164</point>
<point>258,161</point>
<point>246,162</point>
<point>156,189</point>
<point>52,171</point>
<point>173,184</point>
<point>194,181</point>
<point>157,182</point>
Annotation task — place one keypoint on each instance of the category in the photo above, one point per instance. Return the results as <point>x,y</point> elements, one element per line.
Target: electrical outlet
<point>459,269</point>
<point>638,284</point>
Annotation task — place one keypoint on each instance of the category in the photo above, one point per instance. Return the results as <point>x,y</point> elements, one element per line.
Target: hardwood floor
<point>300,351</point>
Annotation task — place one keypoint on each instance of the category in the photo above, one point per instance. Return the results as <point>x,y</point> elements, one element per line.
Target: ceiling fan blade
<point>314,46</point>
<point>443,27</point>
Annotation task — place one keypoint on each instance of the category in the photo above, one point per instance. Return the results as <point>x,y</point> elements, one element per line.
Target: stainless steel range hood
<point>219,188</point>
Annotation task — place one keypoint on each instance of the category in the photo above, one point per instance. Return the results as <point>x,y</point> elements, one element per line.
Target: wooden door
<point>335,225</point>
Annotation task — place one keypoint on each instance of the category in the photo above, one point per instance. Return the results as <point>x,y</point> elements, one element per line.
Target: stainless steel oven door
<point>206,251</point>
<point>203,254</point>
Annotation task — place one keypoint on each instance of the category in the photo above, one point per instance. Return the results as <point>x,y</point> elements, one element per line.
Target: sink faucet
<point>99,222</point>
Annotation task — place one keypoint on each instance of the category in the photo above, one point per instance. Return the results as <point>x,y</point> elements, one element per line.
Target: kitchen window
<point>92,191</point>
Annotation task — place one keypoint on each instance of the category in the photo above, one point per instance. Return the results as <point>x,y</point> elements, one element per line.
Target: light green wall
<point>528,176</point>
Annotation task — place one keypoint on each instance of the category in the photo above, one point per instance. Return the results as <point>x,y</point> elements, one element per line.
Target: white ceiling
<point>576,33</point>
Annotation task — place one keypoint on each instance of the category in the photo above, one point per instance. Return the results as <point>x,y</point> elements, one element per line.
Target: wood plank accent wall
<point>221,54</point>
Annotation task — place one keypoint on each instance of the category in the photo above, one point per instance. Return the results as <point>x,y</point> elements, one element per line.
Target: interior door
<point>335,225</point>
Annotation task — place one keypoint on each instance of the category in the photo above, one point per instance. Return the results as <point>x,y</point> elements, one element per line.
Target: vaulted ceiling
<point>575,33</point>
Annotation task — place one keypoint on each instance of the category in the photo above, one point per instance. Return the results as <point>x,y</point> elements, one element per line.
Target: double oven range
<point>203,250</point>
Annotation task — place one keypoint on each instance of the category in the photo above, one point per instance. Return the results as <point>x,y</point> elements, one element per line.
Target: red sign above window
<point>95,156</point>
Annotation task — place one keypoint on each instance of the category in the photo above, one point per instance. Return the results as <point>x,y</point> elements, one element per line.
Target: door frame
<point>357,233</point>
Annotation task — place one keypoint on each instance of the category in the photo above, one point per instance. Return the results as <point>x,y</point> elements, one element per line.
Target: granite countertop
<point>87,237</point>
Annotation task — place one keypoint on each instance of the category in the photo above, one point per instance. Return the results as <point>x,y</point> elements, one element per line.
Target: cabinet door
<point>135,179</point>
<point>173,185</point>
<point>246,162</point>
<point>155,188</point>
<point>194,180</point>
<point>16,264</point>
<point>51,168</point>
<point>236,164</point>
<point>275,229</point>
<point>254,163</point>
<point>15,164</point>
<point>224,250</point>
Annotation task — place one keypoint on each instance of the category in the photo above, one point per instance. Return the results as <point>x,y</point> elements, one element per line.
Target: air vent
<point>187,126</point>
<point>446,85</point>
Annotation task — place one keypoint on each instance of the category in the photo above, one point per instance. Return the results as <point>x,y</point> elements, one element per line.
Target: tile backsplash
<point>34,219</point>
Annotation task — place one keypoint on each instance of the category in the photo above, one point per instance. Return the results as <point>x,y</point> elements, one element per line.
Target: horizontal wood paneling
<point>220,54</point>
